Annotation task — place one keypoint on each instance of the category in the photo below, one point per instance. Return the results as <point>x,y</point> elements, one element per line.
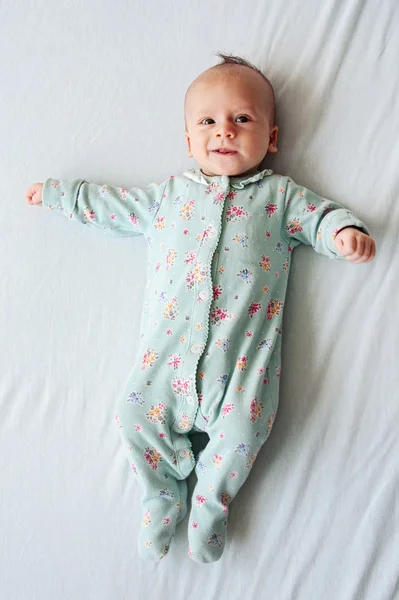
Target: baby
<point>220,247</point>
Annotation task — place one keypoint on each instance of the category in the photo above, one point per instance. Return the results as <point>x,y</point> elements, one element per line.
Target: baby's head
<point>229,114</point>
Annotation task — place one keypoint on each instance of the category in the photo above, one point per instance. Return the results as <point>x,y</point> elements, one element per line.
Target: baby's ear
<point>273,139</point>
<point>190,154</point>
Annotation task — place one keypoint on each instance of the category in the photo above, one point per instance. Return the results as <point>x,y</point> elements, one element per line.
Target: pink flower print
<point>190,552</point>
<point>147,518</point>
<point>174,361</point>
<point>153,457</point>
<point>166,521</point>
<point>122,194</point>
<point>89,214</point>
<point>221,435</point>
<point>170,258</point>
<point>200,500</point>
<point>208,233</point>
<point>218,198</point>
<point>185,422</point>
<point>112,217</point>
<point>168,332</point>
<point>254,307</point>
<point>227,409</point>
<point>261,370</point>
<point>138,427</point>
<point>327,210</point>
<point>162,435</point>
<point>211,188</point>
<point>255,409</point>
<point>217,460</point>
<point>274,308</point>
<point>268,234</point>
<point>233,475</point>
<point>294,226</point>
<point>231,195</point>
<point>180,386</point>
<point>278,372</point>
<point>270,209</point>
<point>236,213</point>
<point>311,207</point>
<point>134,468</point>
<point>159,223</point>
<point>157,267</point>
<point>157,413</point>
<point>149,358</point>
<point>217,291</point>
<point>190,256</point>
<point>133,218</point>
<point>219,316</point>
<point>185,232</point>
<point>194,525</point>
<point>249,333</point>
<point>242,363</point>
<point>276,275</point>
<point>265,263</point>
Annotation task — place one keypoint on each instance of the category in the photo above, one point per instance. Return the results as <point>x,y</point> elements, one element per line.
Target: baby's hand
<point>34,194</point>
<point>355,245</point>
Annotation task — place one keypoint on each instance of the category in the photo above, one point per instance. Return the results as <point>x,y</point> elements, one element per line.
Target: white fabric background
<point>95,90</point>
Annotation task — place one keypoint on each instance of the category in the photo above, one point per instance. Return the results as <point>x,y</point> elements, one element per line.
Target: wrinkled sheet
<point>95,90</point>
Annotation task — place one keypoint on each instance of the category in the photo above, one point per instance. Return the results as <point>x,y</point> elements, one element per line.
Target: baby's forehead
<point>241,79</point>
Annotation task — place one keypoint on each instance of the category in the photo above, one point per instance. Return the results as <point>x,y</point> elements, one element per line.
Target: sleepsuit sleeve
<point>117,211</point>
<point>313,220</point>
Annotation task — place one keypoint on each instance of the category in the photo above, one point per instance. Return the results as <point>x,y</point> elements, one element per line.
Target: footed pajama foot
<point>206,537</point>
<point>161,515</point>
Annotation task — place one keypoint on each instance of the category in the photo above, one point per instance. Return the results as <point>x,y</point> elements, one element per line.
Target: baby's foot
<point>206,537</point>
<point>161,515</point>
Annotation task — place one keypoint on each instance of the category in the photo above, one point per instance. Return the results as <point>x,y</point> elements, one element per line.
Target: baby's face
<point>229,122</point>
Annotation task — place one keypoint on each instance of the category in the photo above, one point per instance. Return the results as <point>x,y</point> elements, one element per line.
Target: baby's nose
<point>225,130</point>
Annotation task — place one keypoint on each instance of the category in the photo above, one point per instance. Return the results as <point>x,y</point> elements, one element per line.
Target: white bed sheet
<point>96,92</point>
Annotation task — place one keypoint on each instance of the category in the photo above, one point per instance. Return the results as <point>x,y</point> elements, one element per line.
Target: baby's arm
<point>326,225</point>
<point>117,211</point>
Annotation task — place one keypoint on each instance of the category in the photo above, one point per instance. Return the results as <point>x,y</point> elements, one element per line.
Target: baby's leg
<point>222,469</point>
<point>161,461</point>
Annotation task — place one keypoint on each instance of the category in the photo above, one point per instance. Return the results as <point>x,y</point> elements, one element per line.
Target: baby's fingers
<point>33,194</point>
<point>369,252</point>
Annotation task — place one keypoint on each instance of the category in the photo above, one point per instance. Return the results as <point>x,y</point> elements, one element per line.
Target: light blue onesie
<point>209,354</point>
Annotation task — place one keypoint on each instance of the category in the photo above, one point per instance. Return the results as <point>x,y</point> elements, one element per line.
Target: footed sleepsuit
<point>209,355</point>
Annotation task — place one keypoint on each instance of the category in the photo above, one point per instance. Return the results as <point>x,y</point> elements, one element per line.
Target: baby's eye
<point>242,119</point>
<point>207,121</point>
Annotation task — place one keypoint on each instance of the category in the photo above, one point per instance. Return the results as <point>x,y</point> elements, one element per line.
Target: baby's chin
<point>227,172</point>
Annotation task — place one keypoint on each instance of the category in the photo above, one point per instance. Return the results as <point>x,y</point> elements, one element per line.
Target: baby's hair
<point>229,59</point>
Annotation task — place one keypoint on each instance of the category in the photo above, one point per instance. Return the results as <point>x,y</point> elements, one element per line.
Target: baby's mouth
<point>225,151</point>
